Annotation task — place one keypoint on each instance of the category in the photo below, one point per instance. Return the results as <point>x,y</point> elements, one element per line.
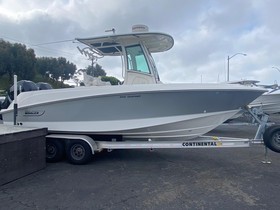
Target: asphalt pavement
<point>228,178</point>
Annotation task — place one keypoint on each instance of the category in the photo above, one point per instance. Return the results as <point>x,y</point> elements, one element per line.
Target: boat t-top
<point>142,108</point>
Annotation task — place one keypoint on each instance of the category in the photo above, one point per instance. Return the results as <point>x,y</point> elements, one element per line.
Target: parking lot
<point>229,178</point>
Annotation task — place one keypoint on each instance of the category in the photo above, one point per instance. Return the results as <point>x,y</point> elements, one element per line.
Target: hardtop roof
<point>111,44</point>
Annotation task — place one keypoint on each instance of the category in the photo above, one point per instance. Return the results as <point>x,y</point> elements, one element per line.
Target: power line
<point>56,51</point>
<point>40,46</point>
<point>11,39</point>
<point>55,42</point>
<point>46,43</point>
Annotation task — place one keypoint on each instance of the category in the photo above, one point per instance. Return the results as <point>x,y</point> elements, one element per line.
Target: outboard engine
<point>44,86</point>
<point>23,86</point>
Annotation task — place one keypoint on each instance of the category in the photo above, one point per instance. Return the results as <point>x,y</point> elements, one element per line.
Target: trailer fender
<point>92,144</point>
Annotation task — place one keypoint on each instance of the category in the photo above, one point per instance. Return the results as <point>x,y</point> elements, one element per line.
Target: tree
<point>55,68</point>
<point>24,62</point>
<point>5,59</point>
<point>112,80</point>
<point>44,66</point>
<point>95,70</point>
<point>16,59</point>
<point>67,69</point>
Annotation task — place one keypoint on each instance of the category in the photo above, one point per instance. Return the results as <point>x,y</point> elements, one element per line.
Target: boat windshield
<point>136,59</point>
<point>154,68</point>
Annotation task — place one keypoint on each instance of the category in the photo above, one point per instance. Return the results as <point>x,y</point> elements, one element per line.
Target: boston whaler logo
<point>33,113</point>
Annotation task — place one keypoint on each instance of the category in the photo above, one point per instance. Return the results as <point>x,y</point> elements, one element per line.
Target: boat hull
<point>135,112</point>
<point>269,102</point>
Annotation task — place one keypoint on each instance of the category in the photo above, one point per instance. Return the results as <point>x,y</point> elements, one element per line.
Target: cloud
<point>205,33</point>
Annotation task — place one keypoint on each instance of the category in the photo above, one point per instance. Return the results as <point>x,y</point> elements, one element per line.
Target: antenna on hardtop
<point>113,30</point>
<point>140,28</point>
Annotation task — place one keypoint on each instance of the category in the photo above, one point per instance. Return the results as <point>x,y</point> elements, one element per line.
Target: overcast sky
<point>206,32</point>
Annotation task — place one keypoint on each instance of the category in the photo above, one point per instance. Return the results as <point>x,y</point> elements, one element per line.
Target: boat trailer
<point>80,148</point>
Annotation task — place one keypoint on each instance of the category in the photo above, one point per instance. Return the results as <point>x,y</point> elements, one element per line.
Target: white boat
<point>142,108</point>
<point>269,102</point>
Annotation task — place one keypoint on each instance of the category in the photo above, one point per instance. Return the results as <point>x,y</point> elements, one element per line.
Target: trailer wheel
<point>78,152</point>
<point>54,150</point>
<point>271,138</point>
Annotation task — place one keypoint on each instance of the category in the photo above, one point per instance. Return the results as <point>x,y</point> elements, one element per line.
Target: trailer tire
<point>54,150</point>
<point>271,138</point>
<point>78,152</point>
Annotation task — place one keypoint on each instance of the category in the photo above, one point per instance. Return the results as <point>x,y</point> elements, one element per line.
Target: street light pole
<point>230,57</point>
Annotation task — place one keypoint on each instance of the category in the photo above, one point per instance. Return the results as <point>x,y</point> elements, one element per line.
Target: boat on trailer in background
<point>142,109</point>
<point>269,102</point>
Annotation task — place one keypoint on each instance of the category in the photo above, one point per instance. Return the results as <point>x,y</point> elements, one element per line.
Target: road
<point>231,178</point>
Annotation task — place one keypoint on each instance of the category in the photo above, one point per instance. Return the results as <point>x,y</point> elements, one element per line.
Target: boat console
<point>135,51</point>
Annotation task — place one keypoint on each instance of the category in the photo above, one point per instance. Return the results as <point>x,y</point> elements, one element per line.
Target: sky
<point>206,33</point>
